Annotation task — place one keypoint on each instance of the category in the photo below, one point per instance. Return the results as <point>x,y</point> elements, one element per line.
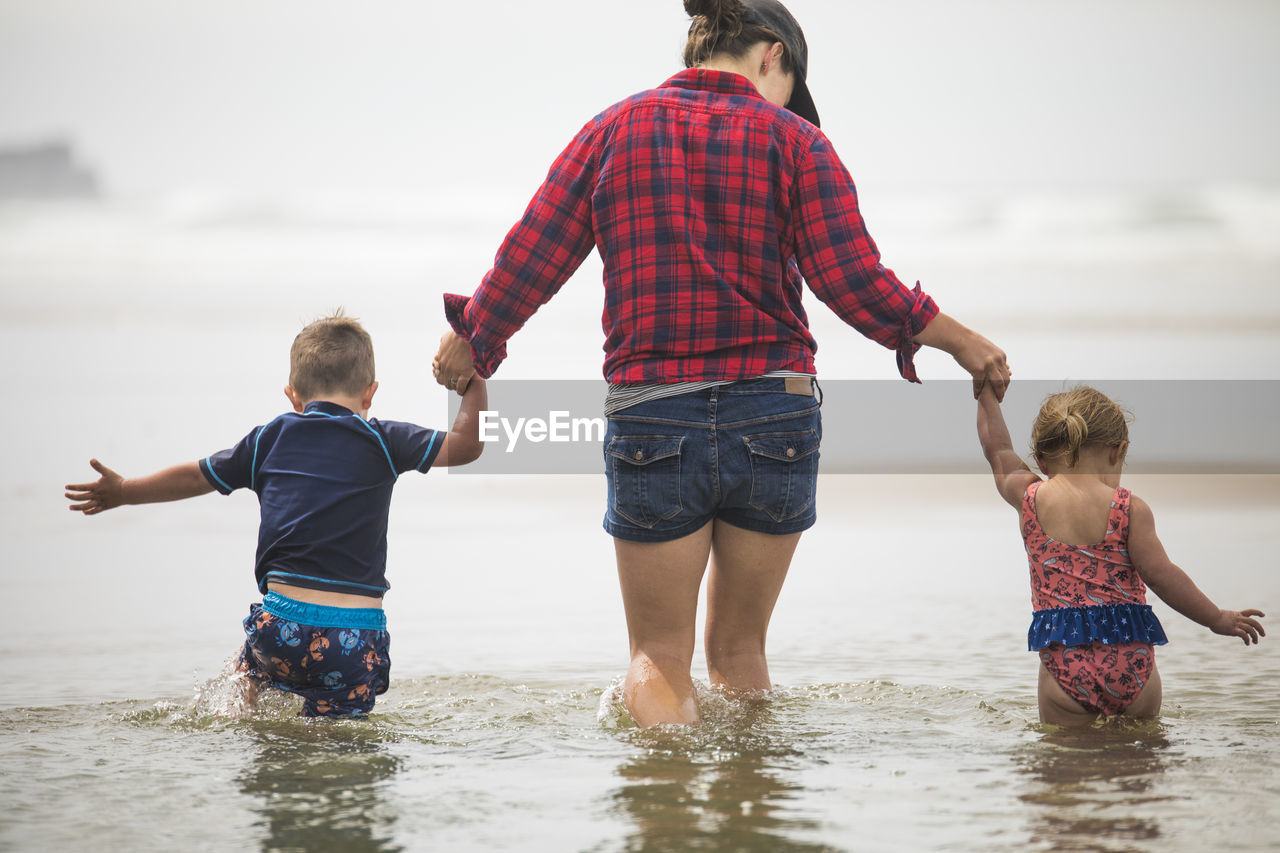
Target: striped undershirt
<point>625,396</point>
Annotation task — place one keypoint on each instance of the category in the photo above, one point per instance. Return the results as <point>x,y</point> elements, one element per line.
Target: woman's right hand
<point>452,366</point>
<point>986,363</point>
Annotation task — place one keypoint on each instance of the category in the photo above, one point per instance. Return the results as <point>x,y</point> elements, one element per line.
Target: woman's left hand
<point>983,360</point>
<point>986,363</point>
<point>452,366</point>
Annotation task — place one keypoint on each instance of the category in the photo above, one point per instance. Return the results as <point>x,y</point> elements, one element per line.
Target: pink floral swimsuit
<point>1091,623</point>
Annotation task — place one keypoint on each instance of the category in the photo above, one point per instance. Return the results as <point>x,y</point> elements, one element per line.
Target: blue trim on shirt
<point>253,466</point>
<point>328,582</point>
<point>434,435</point>
<point>367,425</point>
<point>386,452</point>
<point>208,468</point>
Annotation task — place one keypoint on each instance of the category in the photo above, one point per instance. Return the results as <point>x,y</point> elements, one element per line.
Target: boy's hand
<point>106,493</point>
<point>1239,624</point>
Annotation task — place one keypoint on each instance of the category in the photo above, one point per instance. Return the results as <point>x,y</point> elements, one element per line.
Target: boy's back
<point>324,478</point>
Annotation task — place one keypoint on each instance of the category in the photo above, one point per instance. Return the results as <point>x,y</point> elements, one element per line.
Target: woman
<point>708,199</point>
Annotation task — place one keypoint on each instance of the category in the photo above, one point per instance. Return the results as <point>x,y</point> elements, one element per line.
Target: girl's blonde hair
<point>1072,419</point>
<point>333,355</point>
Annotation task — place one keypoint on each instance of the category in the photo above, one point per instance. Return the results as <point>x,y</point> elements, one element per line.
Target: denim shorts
<point>745,453</point>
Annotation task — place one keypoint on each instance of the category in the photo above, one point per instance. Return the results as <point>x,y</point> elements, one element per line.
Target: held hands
<point>106,493</point>
<point>452,366</point>
<point>986,363</point>
<point>983,360</point>
<point>1231,623</point>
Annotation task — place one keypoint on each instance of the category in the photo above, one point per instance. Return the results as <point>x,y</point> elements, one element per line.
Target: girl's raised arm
<point>1011,473</point>
<point>1175,587</point>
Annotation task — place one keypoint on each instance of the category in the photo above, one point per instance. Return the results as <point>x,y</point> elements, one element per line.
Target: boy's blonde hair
<point>333,355</point>
<point>1072,419</point>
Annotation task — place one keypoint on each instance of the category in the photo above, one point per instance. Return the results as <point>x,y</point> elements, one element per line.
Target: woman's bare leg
<point>747,572</point>
<point>660,582</point>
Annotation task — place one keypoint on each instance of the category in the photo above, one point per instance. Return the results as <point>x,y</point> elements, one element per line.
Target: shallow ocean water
<point>904,715</point>
<point>904,712</point>
<point>480,763</point>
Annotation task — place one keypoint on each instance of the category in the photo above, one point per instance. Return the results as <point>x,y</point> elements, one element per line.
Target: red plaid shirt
<point>707,204</point>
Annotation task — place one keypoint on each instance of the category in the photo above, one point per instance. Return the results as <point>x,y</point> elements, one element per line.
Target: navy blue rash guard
<point>323,479</point>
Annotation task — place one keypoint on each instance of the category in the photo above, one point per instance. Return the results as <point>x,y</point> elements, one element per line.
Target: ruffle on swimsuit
<point>1110,624</point>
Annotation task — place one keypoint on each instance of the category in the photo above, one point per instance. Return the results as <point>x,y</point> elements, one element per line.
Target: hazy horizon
<point>404,98</point>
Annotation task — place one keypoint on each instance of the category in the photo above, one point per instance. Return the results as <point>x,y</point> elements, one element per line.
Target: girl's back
<point>1087,563</point>
<point>1074,513</point>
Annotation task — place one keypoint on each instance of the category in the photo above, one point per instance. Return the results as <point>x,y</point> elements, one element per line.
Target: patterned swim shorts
<point>336,669</point>
<point>1105,679</point>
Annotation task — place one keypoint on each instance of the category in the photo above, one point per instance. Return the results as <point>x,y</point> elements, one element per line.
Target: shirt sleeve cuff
<point>214,480</point>
<point>455,312</point>
<point>923,310</point>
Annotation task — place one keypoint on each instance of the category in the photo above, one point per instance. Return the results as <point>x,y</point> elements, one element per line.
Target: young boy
<point>323,474</point>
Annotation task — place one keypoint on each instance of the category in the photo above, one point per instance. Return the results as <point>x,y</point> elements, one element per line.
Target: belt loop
<point>817,390</point>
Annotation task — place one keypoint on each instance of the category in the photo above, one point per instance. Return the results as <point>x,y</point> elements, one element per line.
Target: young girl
<point>1093,550</point>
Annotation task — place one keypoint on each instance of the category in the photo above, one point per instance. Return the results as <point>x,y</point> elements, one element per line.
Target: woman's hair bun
<point>715,10</point>
<point>717,26</point>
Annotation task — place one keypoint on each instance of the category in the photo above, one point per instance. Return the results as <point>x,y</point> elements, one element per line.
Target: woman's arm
<point>841,264</point>
<point>111,490</point>
<point>1173,585</point>
<point>536,258</point>
<point>1011,473</point>
<point>984,361</point>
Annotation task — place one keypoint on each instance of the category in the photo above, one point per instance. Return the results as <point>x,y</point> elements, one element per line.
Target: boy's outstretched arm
<point>111,490</point>
<point>1011,473</point>
<point>462,443</point>
<point>1173,585</point>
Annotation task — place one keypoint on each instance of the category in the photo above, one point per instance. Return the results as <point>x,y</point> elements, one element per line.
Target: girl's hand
<point>106,493</point>
<point>1239,624</point>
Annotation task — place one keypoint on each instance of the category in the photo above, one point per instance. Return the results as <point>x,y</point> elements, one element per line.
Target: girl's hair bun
<point>1072,419</point>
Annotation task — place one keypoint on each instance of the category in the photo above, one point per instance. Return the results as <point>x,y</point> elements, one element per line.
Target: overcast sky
<point>279,97</point>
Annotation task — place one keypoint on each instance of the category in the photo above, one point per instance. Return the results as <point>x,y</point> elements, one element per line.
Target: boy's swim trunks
<point>337,669</point>
<point>1104,679</point>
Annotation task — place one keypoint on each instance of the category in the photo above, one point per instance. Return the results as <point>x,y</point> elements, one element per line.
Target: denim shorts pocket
<point>784,472</point>
<point>644,474</point>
